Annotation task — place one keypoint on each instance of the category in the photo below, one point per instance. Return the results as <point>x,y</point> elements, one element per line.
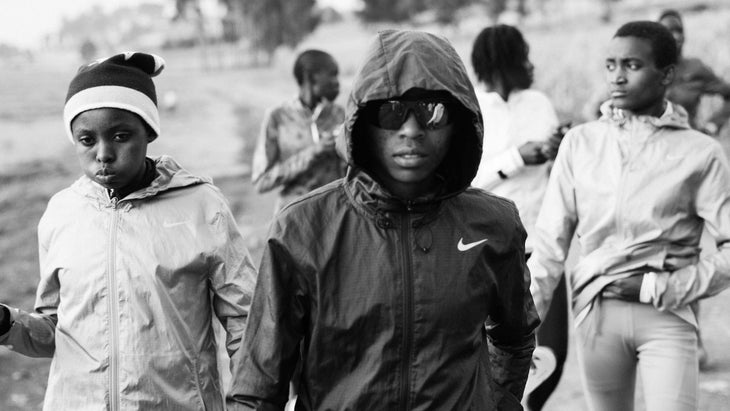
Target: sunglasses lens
<point>390,115</point>
<point>432,114</point>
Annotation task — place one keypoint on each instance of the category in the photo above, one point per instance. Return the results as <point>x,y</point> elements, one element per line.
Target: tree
<point>267,24</point>
<point>391,10</point>
<point>446,10</point>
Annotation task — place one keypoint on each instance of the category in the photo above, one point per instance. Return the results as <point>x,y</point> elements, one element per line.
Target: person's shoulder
<point>689,137</point>
<point>321,200</point>
<point>478,202</point>
<point>533,95</point>
<point>693,68</point>
<point>532,99</point>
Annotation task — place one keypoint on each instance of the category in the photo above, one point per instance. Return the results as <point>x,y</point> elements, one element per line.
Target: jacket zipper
<point>113,312</point>
<point>407,313</point>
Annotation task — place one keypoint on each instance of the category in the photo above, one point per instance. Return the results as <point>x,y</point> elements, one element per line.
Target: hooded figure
<point>399,286</point>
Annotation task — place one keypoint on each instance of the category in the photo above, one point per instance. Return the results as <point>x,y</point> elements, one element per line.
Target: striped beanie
<point>121,81</point>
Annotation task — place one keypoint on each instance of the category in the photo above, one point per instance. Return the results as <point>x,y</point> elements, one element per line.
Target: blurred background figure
<point>295,149</point>
<point>518,125</point>
<point>693,79</point>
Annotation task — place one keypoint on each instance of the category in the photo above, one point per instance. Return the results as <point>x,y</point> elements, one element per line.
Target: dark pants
<point>553,333</point>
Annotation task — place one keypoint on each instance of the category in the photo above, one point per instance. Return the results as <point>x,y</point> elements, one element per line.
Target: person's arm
<point>232,280</point>
<point>496,167</point>
<point>714,85</point>
<point>711,274</point>
<point>275,328</point>
<point>34,334</point>
<point>512,337</point>
<point>269,170</point>
<point>554,229</point>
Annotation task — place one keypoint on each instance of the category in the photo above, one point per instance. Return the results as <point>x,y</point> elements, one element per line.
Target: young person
<point>520,127</point>
<point>295,149</point>
<point>388,277</point>
<point>693,79</point>
<point>137,257</point>
<point>637,187</point>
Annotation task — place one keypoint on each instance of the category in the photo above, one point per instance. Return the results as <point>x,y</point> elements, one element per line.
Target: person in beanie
<point>406,288</point>
<point>137,257</point>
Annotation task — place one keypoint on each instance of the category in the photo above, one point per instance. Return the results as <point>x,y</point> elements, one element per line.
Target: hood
<point>674,116</point>
<point>399,60</point>
<point>169,176</point>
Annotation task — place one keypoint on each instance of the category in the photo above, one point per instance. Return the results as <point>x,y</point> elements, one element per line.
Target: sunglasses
<point>391,114</point>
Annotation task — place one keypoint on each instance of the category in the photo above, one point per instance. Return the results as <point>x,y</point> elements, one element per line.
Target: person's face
<point>406,159</point>
<point>111,145</point>
<point>674,25</point>
<point>324,82</point>
<point>636,84</point>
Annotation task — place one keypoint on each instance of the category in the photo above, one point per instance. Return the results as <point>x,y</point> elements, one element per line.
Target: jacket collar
<point>169,175</point>
<point>674,116</point>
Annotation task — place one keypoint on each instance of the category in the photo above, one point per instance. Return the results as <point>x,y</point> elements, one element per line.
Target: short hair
<point>663,45</point>
<point>310,61</point>
<point>670,13</point>
<point>501,52</point>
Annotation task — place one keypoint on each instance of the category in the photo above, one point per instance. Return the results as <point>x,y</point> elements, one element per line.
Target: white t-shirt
<point>527,115</point>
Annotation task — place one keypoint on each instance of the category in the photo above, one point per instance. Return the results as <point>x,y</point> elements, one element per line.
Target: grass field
<point>213,127</point>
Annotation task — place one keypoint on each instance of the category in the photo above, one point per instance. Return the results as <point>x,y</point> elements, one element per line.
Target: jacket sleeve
<point>34,334</point>
<point>554,229</point>
<point>232,280</point>
<point>512,337</point>
<point>269,170</point>
<point>273,334</point>
<point>711,274</point>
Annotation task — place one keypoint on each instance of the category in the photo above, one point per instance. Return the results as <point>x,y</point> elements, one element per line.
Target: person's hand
<point>628,288</point>
<point>531,153</point>
<point>326,143</point>
<point>710,129</point>
<point>550,147</point>
<point>3,314</point>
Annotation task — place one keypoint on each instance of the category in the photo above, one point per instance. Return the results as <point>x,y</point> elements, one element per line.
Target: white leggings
<point>631,336</point>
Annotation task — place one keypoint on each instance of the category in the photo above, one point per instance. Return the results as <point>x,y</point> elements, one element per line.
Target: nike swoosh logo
<point>464,247</point>
<point>167,224</point>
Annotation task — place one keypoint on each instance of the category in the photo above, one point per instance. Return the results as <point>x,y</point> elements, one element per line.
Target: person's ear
<point>668,74</point>
<point>151,137</point>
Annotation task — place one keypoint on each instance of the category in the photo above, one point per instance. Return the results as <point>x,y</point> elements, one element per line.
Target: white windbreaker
<point>637,192</point>
<point>128,292</point>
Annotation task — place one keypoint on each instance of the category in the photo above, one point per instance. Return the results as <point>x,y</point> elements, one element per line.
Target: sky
<point>24,23</point>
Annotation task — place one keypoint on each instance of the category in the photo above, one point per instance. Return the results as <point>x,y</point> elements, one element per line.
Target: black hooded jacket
<point>397,305</point>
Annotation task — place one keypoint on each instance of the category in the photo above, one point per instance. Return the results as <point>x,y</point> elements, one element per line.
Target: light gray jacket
<point>637,191</point>
<point>128,292</point>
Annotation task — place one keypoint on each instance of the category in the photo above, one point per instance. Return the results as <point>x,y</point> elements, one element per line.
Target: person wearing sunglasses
<point>406,287</point>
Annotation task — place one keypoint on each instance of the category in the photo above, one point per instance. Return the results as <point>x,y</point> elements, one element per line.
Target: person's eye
<point>121,136</point>
<point>85,140</point>
<point>634,66</point>
<point>610,66</point>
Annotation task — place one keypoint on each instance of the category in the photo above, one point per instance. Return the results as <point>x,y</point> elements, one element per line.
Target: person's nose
<point>617,76</point>
<point>411,128</point>
<point>105,152</point>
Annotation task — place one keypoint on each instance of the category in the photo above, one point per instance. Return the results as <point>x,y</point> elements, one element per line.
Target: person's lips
<point>409,158</point>
<point>104,174</point>
<point>618,93</point>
